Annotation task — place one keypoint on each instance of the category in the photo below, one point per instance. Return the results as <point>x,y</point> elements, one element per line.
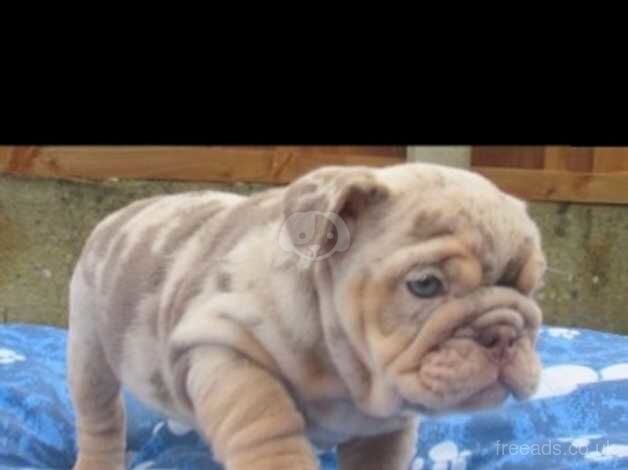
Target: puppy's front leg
<point>392,451</point>
<point>246,414</point>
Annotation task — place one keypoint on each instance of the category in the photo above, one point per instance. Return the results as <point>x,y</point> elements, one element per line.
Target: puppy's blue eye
<point>426,287</point>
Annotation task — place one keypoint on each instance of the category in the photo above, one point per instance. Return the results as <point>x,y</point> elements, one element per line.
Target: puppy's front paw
<point>99,462</point>
<point>392,451</point>
<point>289,453</point>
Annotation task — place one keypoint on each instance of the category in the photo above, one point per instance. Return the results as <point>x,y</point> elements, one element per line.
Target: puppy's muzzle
<point>472,352</point>
<point>495,317</point>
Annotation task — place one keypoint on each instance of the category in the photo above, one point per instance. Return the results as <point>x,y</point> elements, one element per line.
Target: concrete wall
<point>43,225</point>
<point>587,250</point>
<point>458,156</point>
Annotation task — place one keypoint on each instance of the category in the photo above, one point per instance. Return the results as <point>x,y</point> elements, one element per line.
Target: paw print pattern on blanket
<point>443,456</point>
<point>8,356</point>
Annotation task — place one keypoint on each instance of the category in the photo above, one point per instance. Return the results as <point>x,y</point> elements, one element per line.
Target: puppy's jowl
<point>334,311</point>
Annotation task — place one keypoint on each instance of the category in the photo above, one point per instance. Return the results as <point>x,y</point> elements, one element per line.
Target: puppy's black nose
<point>498,339</point>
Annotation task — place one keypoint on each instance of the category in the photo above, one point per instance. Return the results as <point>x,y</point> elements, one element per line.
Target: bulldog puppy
<point>330,312</point>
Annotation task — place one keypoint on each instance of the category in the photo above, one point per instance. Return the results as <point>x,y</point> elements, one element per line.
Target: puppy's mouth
<point>482,360</point>
<point>462,375</point>
<point>488,397</point>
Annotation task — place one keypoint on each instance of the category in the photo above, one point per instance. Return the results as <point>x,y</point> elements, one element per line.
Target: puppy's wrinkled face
<point>436,291</point>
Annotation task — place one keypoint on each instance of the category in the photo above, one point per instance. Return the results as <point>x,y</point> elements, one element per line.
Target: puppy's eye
<point>426,287</point>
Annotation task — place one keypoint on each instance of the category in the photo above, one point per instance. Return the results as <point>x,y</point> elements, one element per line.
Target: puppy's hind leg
<point>97,399</point>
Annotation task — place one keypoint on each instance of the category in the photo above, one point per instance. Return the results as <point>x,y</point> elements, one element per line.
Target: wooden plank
<point>532,157</point>
<point>609,188</point>
<point>569,159</point>
<point>610,159</point>
<point>508,156</point>
<point>274,165</point>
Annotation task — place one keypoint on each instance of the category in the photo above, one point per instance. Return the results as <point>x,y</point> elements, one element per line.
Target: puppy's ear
<point>321,205</point>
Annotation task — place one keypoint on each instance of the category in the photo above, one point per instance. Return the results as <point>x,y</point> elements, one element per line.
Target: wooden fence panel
<point>578,174</point>
<point>273,165</point>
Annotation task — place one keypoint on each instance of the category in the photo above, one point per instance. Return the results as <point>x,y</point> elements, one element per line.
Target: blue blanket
<point>578,418</point>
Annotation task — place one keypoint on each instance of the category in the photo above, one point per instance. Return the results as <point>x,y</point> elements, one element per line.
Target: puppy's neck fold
<point>372,393</point>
